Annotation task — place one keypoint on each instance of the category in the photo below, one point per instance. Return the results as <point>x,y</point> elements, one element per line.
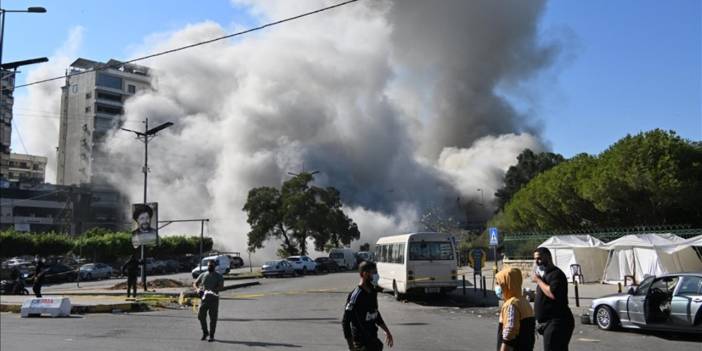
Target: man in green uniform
<point>208,285</point>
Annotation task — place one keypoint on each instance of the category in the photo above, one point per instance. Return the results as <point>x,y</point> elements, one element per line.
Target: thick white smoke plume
<point>396,103</point>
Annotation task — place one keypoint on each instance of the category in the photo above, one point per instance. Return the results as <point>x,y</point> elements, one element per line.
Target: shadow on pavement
<point>256,343</point>
<point>275,319</point>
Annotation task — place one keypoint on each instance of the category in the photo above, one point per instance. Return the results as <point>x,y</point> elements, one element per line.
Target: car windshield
<point>271,263</point>
<point>431,251</point>
<point>336,255</point>
<point>88,266</point>
<point>294,259</point>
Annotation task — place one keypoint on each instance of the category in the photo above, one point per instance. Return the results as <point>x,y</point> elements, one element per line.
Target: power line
<point>117,65</point>
<point>20,138</point>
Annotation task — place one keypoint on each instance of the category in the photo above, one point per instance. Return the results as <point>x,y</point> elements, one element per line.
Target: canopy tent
<point>694,241</point>
<point>644,254</point>
<point>583,250</point>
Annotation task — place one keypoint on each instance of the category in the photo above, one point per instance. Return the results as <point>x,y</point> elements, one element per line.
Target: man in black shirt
<point>131,268</point>
<point>361,316</point>
<point>551,309</point>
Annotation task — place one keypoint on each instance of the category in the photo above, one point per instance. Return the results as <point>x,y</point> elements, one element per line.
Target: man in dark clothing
<point>361,316</point>
<point>551,309</point>
<point>208,285</point>
<point>39,273</point>
<point>131,268</point>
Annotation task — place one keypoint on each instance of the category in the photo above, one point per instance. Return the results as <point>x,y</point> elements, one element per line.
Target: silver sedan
<point>671,302</point>
<point>278,268</point>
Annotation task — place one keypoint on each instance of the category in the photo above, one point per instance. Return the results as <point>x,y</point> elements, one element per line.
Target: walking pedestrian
<point>517,326</point>
<point>555,319</point>
<point>208,285</point>
<point>361,316</point>
<point>131,269</point>
<point>39,274</point>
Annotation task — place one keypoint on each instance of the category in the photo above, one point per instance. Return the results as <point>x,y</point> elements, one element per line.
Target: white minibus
<point>344,257</point>
<point>416,263</point>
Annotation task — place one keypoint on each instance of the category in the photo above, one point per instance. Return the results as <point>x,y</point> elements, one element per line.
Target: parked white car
<point>222,265</point>
<point>302,264</point>
<point>92,271</point>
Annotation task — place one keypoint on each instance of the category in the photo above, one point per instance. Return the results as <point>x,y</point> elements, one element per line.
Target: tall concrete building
<point>91,105</point>
<point>26,168</point>
<point>7,85</point>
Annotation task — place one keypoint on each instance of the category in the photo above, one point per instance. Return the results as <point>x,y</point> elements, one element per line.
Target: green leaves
<point>651,178</point>
<point>297,213</point>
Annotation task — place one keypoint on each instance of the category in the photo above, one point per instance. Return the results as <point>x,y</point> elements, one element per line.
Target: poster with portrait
<point>145,218</point>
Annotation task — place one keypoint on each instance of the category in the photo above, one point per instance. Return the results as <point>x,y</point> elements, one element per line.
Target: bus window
<point>430,251</point>
<point>401,254</point>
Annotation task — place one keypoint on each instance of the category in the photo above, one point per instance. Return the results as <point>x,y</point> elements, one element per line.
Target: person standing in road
<point>517,326</point>
<point>555,319</point>
<point>39,273</point>
<point>208,285</point>
<point>361,316</point>
<point>131,268</point>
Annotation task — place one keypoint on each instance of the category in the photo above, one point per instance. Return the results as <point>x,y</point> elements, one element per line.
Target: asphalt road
<point>294,313</point>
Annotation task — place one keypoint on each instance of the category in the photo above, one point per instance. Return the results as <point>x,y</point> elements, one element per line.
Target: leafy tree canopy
<point>652,178</point>
<point>296,213</point>
<point>528,166</point>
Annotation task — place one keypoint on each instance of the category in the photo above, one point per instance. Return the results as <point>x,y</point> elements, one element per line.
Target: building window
<point>132,89</point>
<point>87,109</point>
<point>110,97</point>
<point>108,81</point>
<point>108,110</point>
<point>88,96</point>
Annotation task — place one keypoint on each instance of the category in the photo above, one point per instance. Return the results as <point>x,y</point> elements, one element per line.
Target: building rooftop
<point>85,64</point>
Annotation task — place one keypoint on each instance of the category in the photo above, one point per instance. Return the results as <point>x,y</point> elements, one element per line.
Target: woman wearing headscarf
<point>517,324</point>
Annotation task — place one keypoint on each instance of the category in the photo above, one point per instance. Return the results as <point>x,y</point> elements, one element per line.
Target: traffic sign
<point>494,236</point>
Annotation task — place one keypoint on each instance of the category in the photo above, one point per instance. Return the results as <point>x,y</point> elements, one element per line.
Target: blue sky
<point>629,66</point>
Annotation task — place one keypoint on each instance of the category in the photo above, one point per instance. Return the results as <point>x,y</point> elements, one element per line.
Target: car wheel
<point>605,318</point>
<point>395,292</point>
<point>89,277</point>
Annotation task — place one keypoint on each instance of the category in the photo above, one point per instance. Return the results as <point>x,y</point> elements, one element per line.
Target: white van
<point>222,265</point>
<point>344,257</point>
<point>417,263</point>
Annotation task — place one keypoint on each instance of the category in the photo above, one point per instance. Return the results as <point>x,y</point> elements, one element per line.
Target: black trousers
<point>558,333</point>
<point>36,287</point>
<point>373,345</point>
<point>131,284</point>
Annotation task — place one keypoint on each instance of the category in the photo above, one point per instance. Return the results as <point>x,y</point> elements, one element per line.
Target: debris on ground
<point>154,284</point>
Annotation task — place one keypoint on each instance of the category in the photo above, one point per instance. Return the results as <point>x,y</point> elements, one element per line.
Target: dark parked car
<point>671,302</point>
<point>236,262</point>
<point>58,273</point>
<point>326,264</point>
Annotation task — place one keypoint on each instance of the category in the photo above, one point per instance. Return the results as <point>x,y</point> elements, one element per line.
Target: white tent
<point>694,241</point>
<point>644,254</point>
<point>583,250</point>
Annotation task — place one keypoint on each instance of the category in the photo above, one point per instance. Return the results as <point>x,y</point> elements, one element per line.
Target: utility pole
<point>148,133</point>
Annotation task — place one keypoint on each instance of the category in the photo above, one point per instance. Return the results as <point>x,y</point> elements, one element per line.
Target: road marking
<point>588,340</point>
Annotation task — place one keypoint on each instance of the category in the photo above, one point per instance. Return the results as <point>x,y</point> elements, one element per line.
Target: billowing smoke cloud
<point>395,103</point>
<point>36,114</point>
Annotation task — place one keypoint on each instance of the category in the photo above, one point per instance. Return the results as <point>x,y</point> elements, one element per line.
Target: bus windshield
<point>430,251</point>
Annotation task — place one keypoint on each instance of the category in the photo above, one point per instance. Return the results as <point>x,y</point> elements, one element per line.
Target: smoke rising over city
<point>396,103</point>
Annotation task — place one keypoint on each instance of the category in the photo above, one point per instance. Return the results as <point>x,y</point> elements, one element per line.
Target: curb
<point>84,309</point>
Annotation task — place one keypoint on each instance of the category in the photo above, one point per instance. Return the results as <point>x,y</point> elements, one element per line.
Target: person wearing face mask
<point>208,285</point>
<point>361,316</point>
<point>555,319</point>
<point>516,329</point>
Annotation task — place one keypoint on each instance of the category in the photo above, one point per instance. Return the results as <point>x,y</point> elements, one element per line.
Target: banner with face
<point>145,218</point>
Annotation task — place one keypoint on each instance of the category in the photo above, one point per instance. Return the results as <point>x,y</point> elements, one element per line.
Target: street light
<point>482,197</point>
<point>146,135</point>
<point>33,9</point>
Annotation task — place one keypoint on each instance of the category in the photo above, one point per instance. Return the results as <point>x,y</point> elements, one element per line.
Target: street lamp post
<point>146,135</point>
<point>482,197</point>
<point>2,26</point>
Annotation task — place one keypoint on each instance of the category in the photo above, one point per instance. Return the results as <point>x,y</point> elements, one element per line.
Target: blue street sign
<point>494,236</point>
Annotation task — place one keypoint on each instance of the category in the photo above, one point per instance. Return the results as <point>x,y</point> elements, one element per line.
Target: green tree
<point>297,213</point>
<point>647,179</point>
<point>528,166</point>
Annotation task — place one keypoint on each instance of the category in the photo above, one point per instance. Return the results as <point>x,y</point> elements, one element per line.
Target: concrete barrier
<point>53,306</point>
